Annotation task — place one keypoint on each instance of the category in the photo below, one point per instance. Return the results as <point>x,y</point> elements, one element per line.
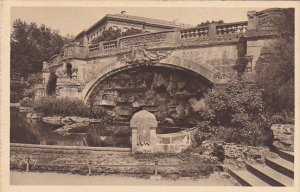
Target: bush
<point>282,118</point>
<point>62,106</point>
<point>112,34</point>
<point>27,102</point>
<point>16,91</point>
<point>237,113</point>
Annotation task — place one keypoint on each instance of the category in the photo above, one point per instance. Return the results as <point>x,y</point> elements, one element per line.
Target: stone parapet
<point>210,35</point>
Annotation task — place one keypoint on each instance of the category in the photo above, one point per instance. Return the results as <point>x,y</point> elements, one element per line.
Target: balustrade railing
<point>110,45</point>
<point>202,32</point>
<point>231,28</point>
<point>194,32</point>
<point>94,48</point>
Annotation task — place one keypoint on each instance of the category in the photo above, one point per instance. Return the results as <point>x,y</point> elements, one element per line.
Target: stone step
<point>245,178</point>
<point>269,175</point>
<point>281,165</point>
<point>287,155</point>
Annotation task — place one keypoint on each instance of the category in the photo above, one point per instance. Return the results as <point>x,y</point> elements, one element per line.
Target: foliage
<point>24,88</point>
<point>31,45</point>
<point>27,102</point>
<point>210,22</point>
<point>112,34</point>
<point>275,68</point>
<point>16,91</point>
<point>238,110</point>
<point>283,117</point>
<point>51,106</point>
<point>131,31</point>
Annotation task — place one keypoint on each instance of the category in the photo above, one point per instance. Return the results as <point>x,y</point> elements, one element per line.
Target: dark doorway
<point>51,87</point>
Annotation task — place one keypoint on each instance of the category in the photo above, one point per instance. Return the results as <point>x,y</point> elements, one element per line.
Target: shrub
<point>62,106</point>
<point>112,34</point>
<point>283,117</point>
<point>238,111</point>
<point>16,91</point>
<point>27,102</point>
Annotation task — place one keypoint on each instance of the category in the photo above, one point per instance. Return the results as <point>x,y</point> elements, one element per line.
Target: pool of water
<point>28,131</point>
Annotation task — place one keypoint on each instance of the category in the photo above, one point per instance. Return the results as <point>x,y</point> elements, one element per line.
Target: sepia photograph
<point>151,96</point>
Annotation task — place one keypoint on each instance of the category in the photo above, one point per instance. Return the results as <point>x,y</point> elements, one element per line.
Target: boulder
<point>208,147</point>
<point>236,155</point>
<point>32,115</point>
<point>25,109</point>
<point>74,119</point>
<point>55,120</point>
<point>95,120</point>
<point>283,136</point>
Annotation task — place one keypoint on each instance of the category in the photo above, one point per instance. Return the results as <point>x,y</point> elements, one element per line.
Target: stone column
<point>46,72</point>
<point>153,138</point>
<point>85,40</point>
<point>133,139</point>
<point>252,21</point>
<point>212,30</point>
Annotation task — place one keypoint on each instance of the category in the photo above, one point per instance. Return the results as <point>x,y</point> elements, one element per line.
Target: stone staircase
<point>275,172</point>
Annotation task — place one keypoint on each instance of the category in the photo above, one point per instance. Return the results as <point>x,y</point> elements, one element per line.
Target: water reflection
<point>23,130</point>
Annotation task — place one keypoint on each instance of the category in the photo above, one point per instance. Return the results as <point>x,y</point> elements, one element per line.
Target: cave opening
<point>51,87</point>
<point>166,92</point>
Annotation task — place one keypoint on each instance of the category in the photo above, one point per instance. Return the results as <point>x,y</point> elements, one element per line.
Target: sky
<point>72,20</point>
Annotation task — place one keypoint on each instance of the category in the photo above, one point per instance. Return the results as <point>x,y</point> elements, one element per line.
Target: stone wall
<point>283,136</point>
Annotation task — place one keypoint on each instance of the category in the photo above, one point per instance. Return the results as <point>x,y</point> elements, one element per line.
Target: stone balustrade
<point>232,28</point>
<point>109,45</point>
<point>94,48</point>
<point>259,24</point>
<point>162,39</point>
<point>197,32</point>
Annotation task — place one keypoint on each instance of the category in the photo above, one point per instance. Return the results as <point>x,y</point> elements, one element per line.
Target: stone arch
<point>201,71</point>
<point>141,117</point>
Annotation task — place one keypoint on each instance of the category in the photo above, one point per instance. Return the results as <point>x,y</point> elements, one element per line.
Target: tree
<point>108,35</point>
<point>210,22</point>
<point>112,34</point>
<point>275,67</point>
<point>30,46</point>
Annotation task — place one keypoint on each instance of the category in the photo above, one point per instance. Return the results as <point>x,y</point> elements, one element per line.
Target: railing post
<point>134,140</point>
<point>155,167</point>
<point>27,163</point>
<point>90,167</point>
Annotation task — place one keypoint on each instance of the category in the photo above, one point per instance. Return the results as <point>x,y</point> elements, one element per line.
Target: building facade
<point>124,22</point>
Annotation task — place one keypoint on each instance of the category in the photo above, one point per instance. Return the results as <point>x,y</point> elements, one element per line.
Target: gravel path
<point>23,178</point>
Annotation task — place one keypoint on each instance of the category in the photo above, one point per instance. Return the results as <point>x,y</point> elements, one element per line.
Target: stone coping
<point>115,149</point>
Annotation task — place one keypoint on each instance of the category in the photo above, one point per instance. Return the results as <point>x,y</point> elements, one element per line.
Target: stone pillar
<point>134,141</point>
<point>41,88</point>
<point>40,91</point>
<point>252,21</point>
<point>153,136</point>
<point>85,40</point>
<point>212,29</point>
<point>46,73</point>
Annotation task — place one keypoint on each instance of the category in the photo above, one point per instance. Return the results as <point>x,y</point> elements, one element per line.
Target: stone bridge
<point>182,63</point>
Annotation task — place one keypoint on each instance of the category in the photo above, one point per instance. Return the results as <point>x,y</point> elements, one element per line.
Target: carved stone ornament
<point>140,40</point>
<point>139,55</point>
<point>271,19</point>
